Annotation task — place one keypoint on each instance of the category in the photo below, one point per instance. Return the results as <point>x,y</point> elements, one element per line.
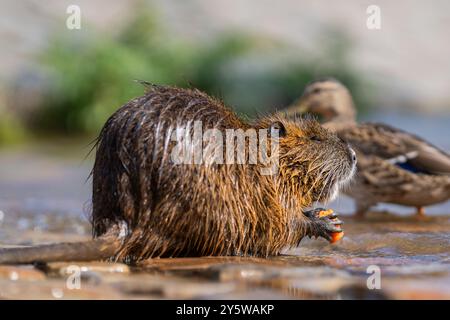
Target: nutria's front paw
<point>324,223</point>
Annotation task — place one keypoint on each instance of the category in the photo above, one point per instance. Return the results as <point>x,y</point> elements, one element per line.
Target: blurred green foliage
<point>92,76</point>
<point>11,129</point>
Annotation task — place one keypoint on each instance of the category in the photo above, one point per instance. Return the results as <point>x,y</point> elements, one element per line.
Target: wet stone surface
<point>412,255</point>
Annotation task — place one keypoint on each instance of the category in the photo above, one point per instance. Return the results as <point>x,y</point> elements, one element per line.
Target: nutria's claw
<point>333,215</point>
<point>333,228</point>
<point>336,222</point>
<point>322,231</point>
<point>332,224</point>
<point>314,213</point>
<point>322,224</point>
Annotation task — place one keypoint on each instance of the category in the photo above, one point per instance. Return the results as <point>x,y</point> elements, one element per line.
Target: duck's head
<point>328,98</point>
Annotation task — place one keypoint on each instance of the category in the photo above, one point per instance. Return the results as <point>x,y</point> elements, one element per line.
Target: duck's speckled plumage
<point>394,166</point>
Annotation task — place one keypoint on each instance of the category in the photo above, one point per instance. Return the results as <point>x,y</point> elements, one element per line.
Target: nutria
<point>146,205</point>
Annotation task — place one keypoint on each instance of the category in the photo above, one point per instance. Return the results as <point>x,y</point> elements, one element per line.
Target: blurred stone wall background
<point>408,58</point>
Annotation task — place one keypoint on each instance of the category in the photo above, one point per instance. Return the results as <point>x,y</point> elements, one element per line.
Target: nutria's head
<point>314,163</point>
<point>328,98</point>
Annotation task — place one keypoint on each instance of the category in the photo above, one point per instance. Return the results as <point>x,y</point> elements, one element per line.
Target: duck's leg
<point>420,211</point>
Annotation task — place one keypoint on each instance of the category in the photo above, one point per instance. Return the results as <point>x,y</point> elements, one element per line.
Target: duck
<point>394,166</point>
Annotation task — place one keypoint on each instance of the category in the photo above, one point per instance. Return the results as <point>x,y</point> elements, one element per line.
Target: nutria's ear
<point>277,127</point>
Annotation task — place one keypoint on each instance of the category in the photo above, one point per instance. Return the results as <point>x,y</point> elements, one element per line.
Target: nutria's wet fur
<point>188,209</point>
<point>146,206</point>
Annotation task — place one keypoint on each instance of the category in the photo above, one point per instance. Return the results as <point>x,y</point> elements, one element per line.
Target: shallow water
<point>44,197</point>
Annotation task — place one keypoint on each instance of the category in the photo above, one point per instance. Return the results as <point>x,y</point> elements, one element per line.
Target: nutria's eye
<point>315,138</point>
<point>279,128</point>
<point>316,90</point>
